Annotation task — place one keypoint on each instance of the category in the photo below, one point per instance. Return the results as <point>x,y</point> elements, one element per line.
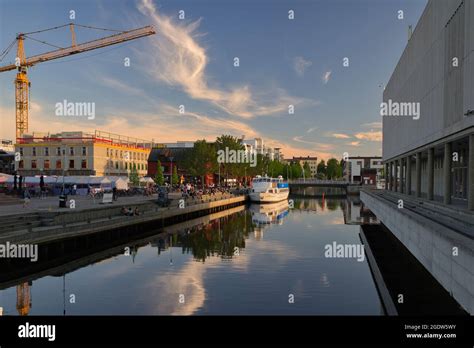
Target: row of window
<point>72,165</point>
<point>125,165</point>
<point>58,164</point>
<point>128,155</point>
<point>58,151</point>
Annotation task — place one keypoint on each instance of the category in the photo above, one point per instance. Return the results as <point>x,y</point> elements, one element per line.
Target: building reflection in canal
<point>216,264</point>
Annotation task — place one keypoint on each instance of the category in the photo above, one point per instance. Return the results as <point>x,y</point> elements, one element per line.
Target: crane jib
<point>84,47</point>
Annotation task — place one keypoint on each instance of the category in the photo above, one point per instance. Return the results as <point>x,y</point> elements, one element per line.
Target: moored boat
<point>268,190</point>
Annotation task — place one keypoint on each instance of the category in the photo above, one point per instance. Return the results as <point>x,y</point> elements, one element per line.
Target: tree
<point>159,178</point>
<point>202,160</point>
<point>133,177</point>
<point>296,170</point>
<point>231,143</point>
<point>276,168</point>
<point>175,177</point>
<point>321,169</point>
<point>333,169</point>
<point>307,170</point>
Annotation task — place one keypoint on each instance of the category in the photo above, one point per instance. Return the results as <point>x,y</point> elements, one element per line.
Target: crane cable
<point>7,50</point>
<point>67,24</point>
<point>43,42</point>
<point>26,35</point>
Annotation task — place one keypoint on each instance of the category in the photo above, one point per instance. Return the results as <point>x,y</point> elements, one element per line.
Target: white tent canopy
<point>119,182</point>
<point>146,179</point>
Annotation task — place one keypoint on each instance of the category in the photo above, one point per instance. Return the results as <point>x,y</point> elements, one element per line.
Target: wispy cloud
<point>326,76</point>
<point>340,136</point>
<point>179,60</point>
<point>354,143</point>
<point>320,146</point>
<point>300,65</point>
<point>119,85</point>
<point>370,136</point>
<point>312,129</point>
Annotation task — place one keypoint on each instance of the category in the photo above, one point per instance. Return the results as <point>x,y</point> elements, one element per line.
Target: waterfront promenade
<point>42,221</point>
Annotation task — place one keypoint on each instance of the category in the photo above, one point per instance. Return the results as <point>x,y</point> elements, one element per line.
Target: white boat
<point>268,190</point>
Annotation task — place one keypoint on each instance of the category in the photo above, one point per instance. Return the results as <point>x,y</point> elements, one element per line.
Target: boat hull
<point>265,197</point>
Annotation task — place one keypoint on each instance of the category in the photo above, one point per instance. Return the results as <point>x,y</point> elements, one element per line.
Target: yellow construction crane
<point>22,63</point>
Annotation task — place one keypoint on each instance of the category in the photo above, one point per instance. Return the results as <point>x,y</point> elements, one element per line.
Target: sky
<point>190,62</point>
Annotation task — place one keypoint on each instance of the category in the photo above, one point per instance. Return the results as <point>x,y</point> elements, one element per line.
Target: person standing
<point>41,187</point>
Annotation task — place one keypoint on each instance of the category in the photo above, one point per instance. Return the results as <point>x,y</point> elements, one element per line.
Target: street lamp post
<point>64,168</point>
<point>171,172</point>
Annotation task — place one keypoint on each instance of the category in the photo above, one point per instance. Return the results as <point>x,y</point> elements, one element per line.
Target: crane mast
<point>22,86</point>
<point>22,64</point>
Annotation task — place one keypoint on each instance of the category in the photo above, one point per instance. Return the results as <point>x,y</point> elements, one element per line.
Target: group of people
<point>129,211</point>
<point>191,191</point>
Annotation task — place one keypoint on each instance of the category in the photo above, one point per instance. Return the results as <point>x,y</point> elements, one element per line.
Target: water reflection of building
<point>23,298</point>
<point>267,214</point>
<point>355,213</point>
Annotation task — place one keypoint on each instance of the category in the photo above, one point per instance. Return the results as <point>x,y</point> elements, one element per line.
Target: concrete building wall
<point>425,74</point>
<point>432,244</point>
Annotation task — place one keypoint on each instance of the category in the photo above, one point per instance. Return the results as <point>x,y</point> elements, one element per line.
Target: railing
<point>322,182</point>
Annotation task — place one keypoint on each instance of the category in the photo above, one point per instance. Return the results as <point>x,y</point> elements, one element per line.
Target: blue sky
<point>190,62</point>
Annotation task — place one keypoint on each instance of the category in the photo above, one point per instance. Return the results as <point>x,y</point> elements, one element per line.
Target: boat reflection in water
<point>266,214</point>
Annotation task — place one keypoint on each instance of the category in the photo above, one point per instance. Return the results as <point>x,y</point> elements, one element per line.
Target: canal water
<point>267,259</point>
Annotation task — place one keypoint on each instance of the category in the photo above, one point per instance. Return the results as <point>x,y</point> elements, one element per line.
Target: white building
<point>367,170</point>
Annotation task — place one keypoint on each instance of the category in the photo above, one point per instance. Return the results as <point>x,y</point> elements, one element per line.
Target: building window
<point>107,152</point>
<point>83,164</point>
<point>34,151</point>
<point>58,163</point>
<point>46,164</point>
<point>71,164</point>
<point>116,165</point>
<point>46,151</point>
<point>33,164</point>
<point>71,151</point>
<point>116,153</point>
<point>21,164</point>
<point>21,151</point>
<point>84,152</point>
<point>126,165</point>
<point>58,151</point>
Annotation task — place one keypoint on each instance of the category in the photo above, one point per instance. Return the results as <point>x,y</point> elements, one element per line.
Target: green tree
<point>296,170</point>
<point>276,168</point>
<point>133,176</point>
<point>175,177</point>
<point>202,160</point>
<point>321,169</point>
<point>230,169</point>
<point>159,178</point>
<point>307,170</point>
<point>333,169</point>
